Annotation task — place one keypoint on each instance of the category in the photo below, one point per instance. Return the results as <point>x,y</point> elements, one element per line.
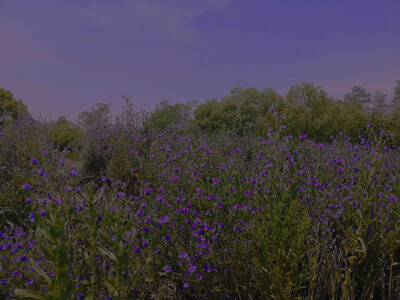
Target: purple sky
<point>62,57</point>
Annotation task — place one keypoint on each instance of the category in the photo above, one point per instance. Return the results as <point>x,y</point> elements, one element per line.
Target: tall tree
<point>241,111</point>
<point>176,116</point>
<point>207,116</point>
<point>396,96</point>
<point>10,107</point>
<point>358,95</point>
<point>98,117</point>
<point>305,94</point>
<point>379,102</point>
<point>270,98</point>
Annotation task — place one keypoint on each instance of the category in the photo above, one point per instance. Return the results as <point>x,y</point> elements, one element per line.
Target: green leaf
<point>121,250</point>
<point>77,236</point>
<point>105,235</point>
<point>42,232</point>
<point>23,293</point>
<point>62,256</point>
<point>70,212</point>
<point>40,271</point>
<point>78,221</point>
<point>50,253</point>
<point>107,253</point>
<point>110,287</point>
<point>89,297</point>
<point>55,233</point>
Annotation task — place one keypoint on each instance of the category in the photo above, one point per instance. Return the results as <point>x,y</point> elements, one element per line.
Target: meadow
<point>184,215</point>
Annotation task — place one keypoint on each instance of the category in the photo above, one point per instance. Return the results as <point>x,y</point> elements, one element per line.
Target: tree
<point>270,98</point>
<point>298,119</point>
<point>305,94</point>
<point>65,133</point>
<point>237,113</point>
<point>396,96</point>
<point>358,95</point>
<point>241,109</point>
<point>176,116</point>
<point>337,117</point>
<point>10,107</point>
<point>98,117</point>
<point>379,102</point>
<point>207,116</point>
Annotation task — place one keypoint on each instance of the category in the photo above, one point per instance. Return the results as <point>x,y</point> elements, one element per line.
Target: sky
<point>62,57</point>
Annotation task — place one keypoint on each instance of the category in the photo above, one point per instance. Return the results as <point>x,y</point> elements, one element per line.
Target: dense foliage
<point>283,198</point>
<point>308,109</point>
<point>184,215</point>
<point>10,107</point>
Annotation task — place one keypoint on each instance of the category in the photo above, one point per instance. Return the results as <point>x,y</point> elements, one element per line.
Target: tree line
<point>306,108</point>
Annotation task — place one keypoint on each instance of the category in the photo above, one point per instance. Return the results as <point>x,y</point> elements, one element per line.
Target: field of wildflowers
<point>182,215</point>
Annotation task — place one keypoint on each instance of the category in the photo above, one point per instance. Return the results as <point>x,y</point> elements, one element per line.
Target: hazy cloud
<point>25,52</point>
<point>143,18</point>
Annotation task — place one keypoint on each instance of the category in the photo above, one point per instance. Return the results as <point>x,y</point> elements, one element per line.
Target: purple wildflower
<point>216,181</point>
<point>163,220</point>
<point>192,269</point>
<point>303,136</point>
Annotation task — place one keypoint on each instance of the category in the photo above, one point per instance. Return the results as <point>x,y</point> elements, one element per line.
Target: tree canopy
<point>10,107</point>
<point>65,134</point>
<point>96,118</point>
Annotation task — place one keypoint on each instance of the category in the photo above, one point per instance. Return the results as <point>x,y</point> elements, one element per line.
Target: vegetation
<point>65,135</point>
<point>256,196</point>
<point>10,107</point>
